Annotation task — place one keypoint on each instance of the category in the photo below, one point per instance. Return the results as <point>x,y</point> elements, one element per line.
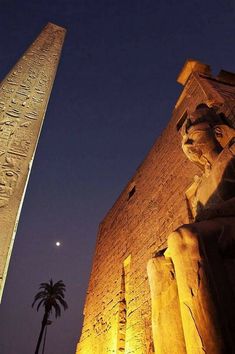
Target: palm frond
<point>51,296</point>
<point>62,302</point>
<point>39,304</point>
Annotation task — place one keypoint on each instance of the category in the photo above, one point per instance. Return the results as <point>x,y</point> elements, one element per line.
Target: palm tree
<point>51,296</point>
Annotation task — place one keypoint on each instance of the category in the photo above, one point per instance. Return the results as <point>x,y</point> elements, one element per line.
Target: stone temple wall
<point>117,312</point>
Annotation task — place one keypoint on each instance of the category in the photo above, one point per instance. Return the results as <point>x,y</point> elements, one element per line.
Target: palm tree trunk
<point>44,340</point>
<point>44,323</point>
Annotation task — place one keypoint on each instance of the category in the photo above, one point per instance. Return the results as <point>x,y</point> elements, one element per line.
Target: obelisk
<point>24,95</point>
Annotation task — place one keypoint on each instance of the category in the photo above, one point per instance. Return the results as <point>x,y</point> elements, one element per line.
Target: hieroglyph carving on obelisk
<point>24,95</point>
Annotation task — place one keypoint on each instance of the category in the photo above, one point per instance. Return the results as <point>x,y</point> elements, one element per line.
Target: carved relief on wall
<point>101,325</point>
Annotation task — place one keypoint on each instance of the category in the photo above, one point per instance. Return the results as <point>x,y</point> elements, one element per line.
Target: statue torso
<point>209,191</point>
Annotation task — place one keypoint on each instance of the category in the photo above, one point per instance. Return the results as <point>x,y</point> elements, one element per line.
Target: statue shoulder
<point>227,156</point>
<point>231,146</point>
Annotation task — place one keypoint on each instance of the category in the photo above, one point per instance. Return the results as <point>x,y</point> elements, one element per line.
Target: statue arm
<point>226,186</point>
<point>225,209</point>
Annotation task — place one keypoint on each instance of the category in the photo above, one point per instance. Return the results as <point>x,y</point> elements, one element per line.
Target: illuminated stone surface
<point>24,95</point>
<point>150,208</point>
<point>199,250</point>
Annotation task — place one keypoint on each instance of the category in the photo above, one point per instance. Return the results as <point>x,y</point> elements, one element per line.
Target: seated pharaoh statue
<point>191,294</point>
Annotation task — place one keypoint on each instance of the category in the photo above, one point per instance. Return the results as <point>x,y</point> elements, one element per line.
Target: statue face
<point>199,143</point>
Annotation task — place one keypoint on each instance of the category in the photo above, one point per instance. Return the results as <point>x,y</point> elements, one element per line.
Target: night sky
<point>113,95</point>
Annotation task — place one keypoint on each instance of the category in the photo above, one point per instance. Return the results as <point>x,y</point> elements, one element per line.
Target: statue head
<point>204,135</point>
